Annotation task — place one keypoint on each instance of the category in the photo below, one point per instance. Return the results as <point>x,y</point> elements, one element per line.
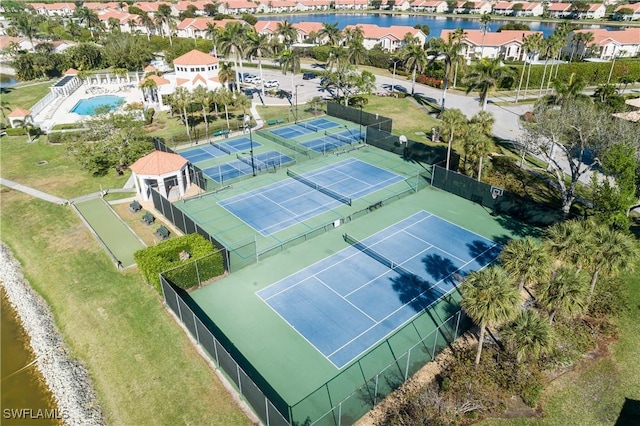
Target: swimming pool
<point>89,106</point>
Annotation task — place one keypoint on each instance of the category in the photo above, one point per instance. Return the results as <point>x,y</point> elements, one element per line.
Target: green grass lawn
<point>171,128</point>
<point>25,95</point>
<point>58,176</point>
<point>143,367</point>
<point>408,117</point>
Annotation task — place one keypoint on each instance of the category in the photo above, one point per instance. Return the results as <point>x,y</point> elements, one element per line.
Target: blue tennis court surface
<point>207,152</point>
<point>243,166</point>
<point>331,141</point>
<point>278,206</point>
<point>346,303</point>
<point>304,128</point>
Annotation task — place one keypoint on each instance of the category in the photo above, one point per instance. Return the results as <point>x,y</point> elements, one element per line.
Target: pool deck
<point>59,111</point>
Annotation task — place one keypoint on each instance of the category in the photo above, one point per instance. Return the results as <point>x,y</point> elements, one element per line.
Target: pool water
<point>89,106</point>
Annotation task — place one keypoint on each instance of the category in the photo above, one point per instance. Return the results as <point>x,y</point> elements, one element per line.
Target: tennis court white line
<point>340,296</point>
<point>439,248</point>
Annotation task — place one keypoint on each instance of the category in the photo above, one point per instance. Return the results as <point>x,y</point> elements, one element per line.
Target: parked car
<point>256,80</point>
<point>271,84</point>
<point>309,75</point>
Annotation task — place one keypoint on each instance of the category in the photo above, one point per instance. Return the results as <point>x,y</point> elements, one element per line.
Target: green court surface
<point>308,383</point>
<point>113,232</point>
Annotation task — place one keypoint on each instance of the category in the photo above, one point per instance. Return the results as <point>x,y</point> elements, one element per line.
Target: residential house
<point>315,5</point>
<point>530,9</point>
<point>503,8</point>
<point>54,9</point>
<point>149,7</point>
<point>309,30</point>
<point>506,45</point>
<point>401,5</point>
<point>595,11</point>
<point>430,6</point>
<point>191,70</point>
<point>237,7</point>
<point>560,10</point>
<point>282,6</point>
<point>8,43</point>
<point>635,9</point>
<point>183,6</point>
<point>351,4</point>
<point>127,22</point>
<point>99,7</point>
<point>388,38</point>
<point>607,44</point>
<point>198,27</point>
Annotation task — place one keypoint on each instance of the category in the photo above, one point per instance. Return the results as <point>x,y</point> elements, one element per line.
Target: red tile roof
<point>19,113</point>
<point>158,163</point>
<point>375,32</point>
<point>71,71</point>
<point>602,36</point>
<point>157,79</point>
<point>196,57</point>
<point>490,39</point>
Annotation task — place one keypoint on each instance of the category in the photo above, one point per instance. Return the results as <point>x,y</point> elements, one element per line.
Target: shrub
<point>430,81</point>
<point>67,126</point>
<point>18,131</point>
<point>148,116</point>
<point>61,137</point>
<point>182,273</point>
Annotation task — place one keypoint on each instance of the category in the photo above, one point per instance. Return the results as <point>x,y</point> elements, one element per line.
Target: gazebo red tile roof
<point>158,163</point>
<point>196,57</point>
<point>19,113</point>
<point>71,71</point>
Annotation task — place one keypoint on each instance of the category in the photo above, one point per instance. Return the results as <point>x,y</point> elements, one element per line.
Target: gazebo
<point>163,171</point>
<point>18,116</point>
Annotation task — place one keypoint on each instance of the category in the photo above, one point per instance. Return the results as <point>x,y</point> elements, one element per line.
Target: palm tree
<point>486,75</point>
<point>490,299</point>
<point>571,241</point>
<point>147,23</point>
<point>529,336</point>
<point>354,41</point>
<point>213,33</point>
<point>567,92</point>
<point>485,121</point>
<point>565,294</point>
<point>614,251</point>
<point>476,146</point>
<point>4,106</point>
<point>526,260</point>
<point>527,47</point>
<point>204,97</point>
<point>331,33</point>
<point>27,125</point>
<point>226,74</point>
<point>604,91</point>
<point>258,45</point>
<point>287,33</point>
<point>232,42</point>
<point>586,39</point>
<point>26,25</point>
<point>415,59</point>
<point>290,61</point>
<point>535,45</point>
<point>224,97</point>
<point>165,18</point>
<point>485,19</point>
<point>453,126</point>
<point>88,18</point>
<point>181,100</point>
<point>449,52</point>
<point>149,90</point>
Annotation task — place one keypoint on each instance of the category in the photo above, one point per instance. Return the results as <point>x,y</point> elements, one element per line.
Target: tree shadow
<point>483,252</point>
<point>441,269</point>
<point>629,414</point>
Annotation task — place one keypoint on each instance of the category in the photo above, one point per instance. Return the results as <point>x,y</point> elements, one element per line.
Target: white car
<point>271,84</point>
<point>256,80</point>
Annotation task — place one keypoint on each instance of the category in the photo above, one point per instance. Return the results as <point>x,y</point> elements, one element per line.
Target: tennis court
<point>304,128</point>
<point>346,303</point>
<point>207,152</point>
<point>331,141</point>
<point>283,204</point>
<point>243,165</point>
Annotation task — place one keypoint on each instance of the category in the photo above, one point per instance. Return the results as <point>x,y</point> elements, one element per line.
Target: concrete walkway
<point>34,192</point>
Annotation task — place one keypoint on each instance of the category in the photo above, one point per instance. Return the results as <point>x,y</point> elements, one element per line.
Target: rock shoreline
<point>68,381</point>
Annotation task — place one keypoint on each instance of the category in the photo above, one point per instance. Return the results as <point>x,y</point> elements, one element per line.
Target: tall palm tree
<point>354,41</point>
<point>224,97</point>
<point>181,100</point>
<point>476,146</point>
<point>290,61</point>
<point>226,74</point>
<point>164,18</point>
<point>586,39</point>
<point>88,18</point>
<point>205,98</point>
<point>566,294</point>
<point>26,25</point>
<point>485,19</point>
<point>147,23</point>
<point>529,336</point>
<point>149,90</point>
<point>527,46</point>
<point>485,121</point>
<point>331,33</point>
<point>415,59</point>
<point>485,75</point>
<point>453,126</point>
<point>526,260</point>
<point>490,299</point>
<point>567,92</point>
<point>213,33</point>
<point>258,45</point>
<point>4,106</point>
<point>449,52</point>
<point>287,33</point>
<point>232,42</point>
<point>535,44</point>
<point>571,241</point>
<point>614,251</point>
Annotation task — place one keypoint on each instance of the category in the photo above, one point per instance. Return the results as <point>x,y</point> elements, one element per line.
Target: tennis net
<point>320,188</point>
<point>376,256</point>
<point>256,163</point>
<point>309,126</point>
<point>224,147</point>
<point>344,140</point>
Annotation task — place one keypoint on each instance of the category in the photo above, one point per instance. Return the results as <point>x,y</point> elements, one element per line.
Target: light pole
<point>296,88</point>
<point>247,125</point>
<point>393,79</point>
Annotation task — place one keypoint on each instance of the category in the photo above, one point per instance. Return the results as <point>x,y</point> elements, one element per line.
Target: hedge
<point>183,273</point>
<point>60,137</point>
<point>18,131</point>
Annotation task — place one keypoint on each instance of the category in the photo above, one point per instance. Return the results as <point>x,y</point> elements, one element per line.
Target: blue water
<point>89,106</point>
<point>436,23</point>
<point>7,81</point>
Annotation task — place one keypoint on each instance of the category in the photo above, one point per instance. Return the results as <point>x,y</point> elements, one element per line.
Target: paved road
<point>31,191</point>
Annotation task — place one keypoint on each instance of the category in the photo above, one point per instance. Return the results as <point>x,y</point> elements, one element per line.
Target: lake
<point>435,23</point>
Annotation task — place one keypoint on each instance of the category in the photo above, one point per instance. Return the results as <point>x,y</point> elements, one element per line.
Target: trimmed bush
<point>204,263</point>
<point>148,116</point>
<point>67,126</point>
<point>18,131</point>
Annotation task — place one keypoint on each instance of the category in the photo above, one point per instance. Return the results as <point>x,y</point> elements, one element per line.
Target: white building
<point>505,44</point>
<point>608,44</point>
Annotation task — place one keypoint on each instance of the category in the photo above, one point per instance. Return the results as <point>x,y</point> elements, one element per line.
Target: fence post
<point>457,324</point>
<point>198,273</point>
<point>266,409</point>
<point>406,370</point>
<point>195,326</point>
<point>375,392</point>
